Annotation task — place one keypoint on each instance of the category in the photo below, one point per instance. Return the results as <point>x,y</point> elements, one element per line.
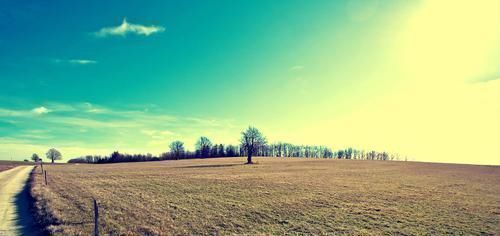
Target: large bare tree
<point>203,146</point>
<point>251,140</point>
<point>177,149</point>
<point>53,155</point>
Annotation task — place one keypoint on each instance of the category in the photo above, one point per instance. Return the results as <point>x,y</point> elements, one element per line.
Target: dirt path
<point>15,216</point>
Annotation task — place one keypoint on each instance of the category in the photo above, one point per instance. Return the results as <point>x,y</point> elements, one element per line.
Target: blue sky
<point>90,77</point>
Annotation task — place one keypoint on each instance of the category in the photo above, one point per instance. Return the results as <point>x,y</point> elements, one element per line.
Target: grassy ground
<point>5,165</point>
<point>275,196</point>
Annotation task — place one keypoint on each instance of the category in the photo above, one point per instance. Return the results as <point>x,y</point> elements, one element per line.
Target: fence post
<point>96,218</point>
<point>45,173</point>
<point>41,164</point>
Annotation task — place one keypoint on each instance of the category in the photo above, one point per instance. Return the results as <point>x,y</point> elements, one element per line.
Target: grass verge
<point>42,213</point>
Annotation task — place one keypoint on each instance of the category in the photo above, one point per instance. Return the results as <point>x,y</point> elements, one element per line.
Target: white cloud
<point>75,61</point>
<point>82,61</point>
<point>4,112</point>
<point>94,123</point>
<point>92,127</point>
<point>40,110</point>
<point>129,28</point>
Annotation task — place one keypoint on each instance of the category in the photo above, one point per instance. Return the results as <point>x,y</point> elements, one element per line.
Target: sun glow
<point>448,48</point>
<point>452,40</point>
<point>440,109</point>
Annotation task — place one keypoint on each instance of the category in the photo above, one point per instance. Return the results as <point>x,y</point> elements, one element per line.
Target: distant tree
<point>348,153</point>
<point>115,157</point>
<point>340,154</point>
<point>177,149</point>
<point>26,160</point>
<point>251,141</point>
<point>53,155</point>
<point>203,146</point>
<point>385,156</point>
<point>77,160</point>
<point>220,151</point>
<point>231,151</point>
<point>35,157</point>
<point>89,159</point>
<point>213,151</point>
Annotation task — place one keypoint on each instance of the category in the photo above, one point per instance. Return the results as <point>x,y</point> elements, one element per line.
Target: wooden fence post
<point>45,173</point>
<point>96,218</point>
<point>41,164</point>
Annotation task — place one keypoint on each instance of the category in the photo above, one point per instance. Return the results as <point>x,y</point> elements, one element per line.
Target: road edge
<point>40,210</point>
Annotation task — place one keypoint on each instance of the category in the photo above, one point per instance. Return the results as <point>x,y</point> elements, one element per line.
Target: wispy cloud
<point>91,108</point>
<point>86,125</point>
<point>485,79</point>
<point>159,135</point>
<point>87,115</point>
<point>82,61</point>
<point>491,79</point>
<point>11,113</point>
<point>40,110</point>
<point>129,28</point>
<point>75,61</point>
<point>37,111</point>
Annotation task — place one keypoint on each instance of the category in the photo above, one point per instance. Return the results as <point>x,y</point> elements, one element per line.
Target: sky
<point>419,78</point>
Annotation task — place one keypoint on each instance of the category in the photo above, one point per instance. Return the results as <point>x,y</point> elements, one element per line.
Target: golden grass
<point>275,196</point>
<point>5,165</point>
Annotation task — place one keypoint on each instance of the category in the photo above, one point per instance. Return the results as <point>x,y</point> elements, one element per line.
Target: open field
<point>5,165</point>
<point>274,196</point>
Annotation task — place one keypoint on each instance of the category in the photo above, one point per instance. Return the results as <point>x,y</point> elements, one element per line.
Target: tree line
<point>252,143</point>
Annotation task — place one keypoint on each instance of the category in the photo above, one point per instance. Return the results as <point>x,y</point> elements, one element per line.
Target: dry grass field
<point>275,196</point>
<point>5,165</point>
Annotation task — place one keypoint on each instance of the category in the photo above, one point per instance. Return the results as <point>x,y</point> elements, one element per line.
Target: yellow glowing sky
<point>445,107</point>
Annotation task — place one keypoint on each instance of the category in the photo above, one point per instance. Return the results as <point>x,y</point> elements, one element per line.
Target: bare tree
<point>53,155</point>
<point>177,149</point>
<point>231,151</point>
<point>251,141</point>
<point>203,146</point>
<point>220,150</point>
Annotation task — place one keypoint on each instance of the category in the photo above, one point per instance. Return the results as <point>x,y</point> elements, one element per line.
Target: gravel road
<point>15,216</point>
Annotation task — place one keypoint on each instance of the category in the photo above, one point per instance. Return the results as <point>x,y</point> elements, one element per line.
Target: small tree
<point>251,141</point>
<point>177,149</point>
<point>53,155</point>
<point>35,157</point>
<point>203,146</point>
